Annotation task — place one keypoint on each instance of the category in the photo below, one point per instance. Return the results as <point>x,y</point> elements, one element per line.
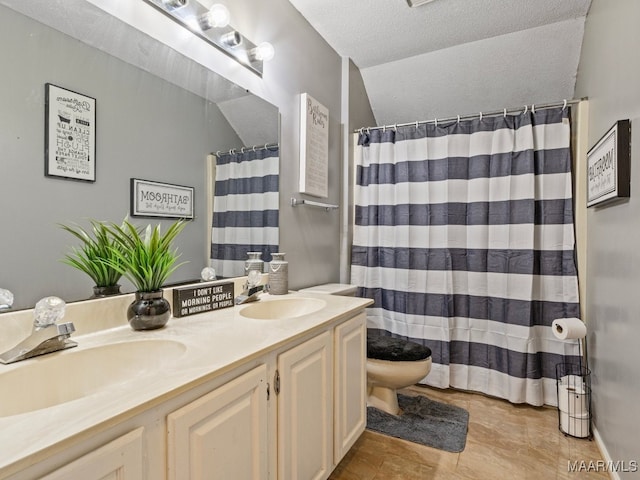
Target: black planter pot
<point>101,292</point>
<point>149,311</point>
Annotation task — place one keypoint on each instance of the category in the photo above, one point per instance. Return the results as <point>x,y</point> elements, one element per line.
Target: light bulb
<point>216,17</point>
<point>263,52</point>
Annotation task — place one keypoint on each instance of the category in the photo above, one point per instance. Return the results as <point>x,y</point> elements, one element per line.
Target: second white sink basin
<point>61,377</point>
<point>282,309</point>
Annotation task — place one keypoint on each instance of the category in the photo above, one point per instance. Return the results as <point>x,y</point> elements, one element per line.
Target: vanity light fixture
<point>212,25</point>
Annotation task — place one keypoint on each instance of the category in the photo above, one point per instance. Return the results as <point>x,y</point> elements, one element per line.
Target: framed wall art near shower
<point>70,134</point>
<point>608,166</point>
<point>157,199</point>
<point>314,147</point>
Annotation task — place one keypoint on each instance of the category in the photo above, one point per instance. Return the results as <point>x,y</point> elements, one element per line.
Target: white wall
<point>609,74</point>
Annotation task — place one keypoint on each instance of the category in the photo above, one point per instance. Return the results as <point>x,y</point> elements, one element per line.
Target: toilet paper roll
<point>569,328</point>
<point>575,425</point>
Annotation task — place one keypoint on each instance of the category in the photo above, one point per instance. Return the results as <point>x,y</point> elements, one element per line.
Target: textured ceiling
<point>452,57</point>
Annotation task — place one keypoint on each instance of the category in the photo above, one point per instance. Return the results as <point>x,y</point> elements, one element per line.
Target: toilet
<point>392,363</point>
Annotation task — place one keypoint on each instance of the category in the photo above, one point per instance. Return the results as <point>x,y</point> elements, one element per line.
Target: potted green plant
<point>97,246</point>
<point>147,260</point>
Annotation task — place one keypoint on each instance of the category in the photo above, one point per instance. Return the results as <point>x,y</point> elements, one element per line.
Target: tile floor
<point>504,441</point>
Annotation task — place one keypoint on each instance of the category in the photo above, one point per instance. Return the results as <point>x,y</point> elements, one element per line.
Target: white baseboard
<point>605,453</point>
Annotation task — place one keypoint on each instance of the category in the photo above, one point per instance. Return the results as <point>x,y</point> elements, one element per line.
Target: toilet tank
<point>343,289</point>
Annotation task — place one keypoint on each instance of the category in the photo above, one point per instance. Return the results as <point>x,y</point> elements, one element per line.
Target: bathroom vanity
<point>273,389</point>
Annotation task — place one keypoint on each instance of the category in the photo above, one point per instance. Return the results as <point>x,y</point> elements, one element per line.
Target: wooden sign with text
<point>314,147</point>
<point>202,298</point>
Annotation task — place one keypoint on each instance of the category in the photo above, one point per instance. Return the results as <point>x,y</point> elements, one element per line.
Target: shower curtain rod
<point>266,146</point>
<point>457,118</point>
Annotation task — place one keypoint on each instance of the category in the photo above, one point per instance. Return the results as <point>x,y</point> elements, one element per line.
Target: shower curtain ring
<point>416,125</point>
<point>395,127</point>
<point>254,148</point>
<point>533,108</point>
<point>564,104</point>
<point>458,118</point>
<point>526,109</point>
<point>242,150</point>
<point>480,116</point>
<point>504,113</point>
<point>435,122</point>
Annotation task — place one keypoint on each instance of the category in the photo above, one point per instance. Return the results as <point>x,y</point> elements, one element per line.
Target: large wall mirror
<point>159,116</point>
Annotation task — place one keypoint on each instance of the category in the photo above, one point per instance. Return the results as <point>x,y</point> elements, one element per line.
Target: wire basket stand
<point>573,383</point>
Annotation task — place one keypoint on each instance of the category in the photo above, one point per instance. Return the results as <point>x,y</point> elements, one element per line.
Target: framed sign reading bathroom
<point>70,134</point>
<point>608,165</point>
<point>156,199</point>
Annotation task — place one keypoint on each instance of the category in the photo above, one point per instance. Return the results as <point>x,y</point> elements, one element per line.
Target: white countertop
<point>208,345</point>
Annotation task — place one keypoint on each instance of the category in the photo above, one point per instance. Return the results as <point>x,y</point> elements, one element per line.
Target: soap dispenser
<point>278,275</point>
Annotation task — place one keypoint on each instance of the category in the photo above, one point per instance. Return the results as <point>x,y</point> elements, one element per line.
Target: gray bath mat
<point>423,421</point>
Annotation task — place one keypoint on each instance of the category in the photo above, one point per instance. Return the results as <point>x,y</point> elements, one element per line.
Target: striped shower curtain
<point>464,238</point>
<point>245,208</point>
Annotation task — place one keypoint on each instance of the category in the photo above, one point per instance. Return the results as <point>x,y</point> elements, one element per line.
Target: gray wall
<point>609,74</point>
<point>360,112</point>
<point>146,128</point>
<point>304,62</point>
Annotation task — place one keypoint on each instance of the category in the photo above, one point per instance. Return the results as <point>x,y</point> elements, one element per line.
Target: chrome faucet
<point>46,336</point>
<point>251,288</point>
<point>249,294</point>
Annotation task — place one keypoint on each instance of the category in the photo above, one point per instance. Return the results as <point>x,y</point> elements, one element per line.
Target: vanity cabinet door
<point>121,458</point>
<point>305,410</point>
<point>222,435</point>
<point>350,384</point>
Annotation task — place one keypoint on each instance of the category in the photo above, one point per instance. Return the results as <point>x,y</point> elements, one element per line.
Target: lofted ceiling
<point>454,57</point>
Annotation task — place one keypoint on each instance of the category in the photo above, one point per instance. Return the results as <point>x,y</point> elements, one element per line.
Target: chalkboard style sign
<point>609,161</point>
<point>202,298</point>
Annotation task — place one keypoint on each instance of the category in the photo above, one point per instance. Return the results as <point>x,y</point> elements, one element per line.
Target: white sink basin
<point>282,309</point>
<point>61,377</point>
